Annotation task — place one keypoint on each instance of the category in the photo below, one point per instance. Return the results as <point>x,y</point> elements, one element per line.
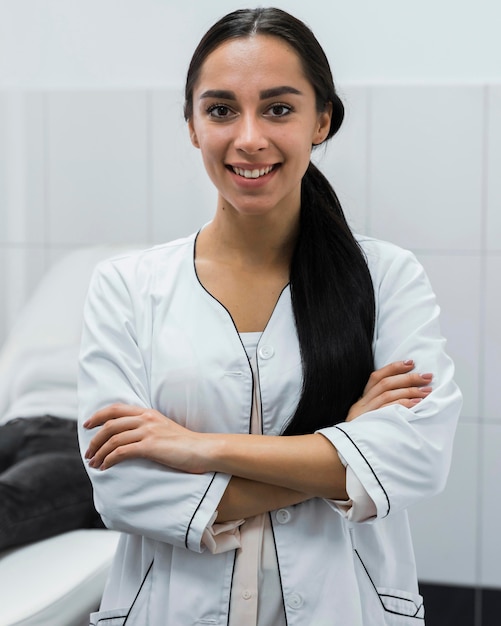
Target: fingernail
<point>425,389</point>
<point>415,400</point>
<point>427,376</point>
<point>409,362</point>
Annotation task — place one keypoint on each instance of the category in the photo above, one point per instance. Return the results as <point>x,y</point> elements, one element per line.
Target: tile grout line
<point>149,165</point>
<point>46,177</point>
<point>482,343</point>
<point>368,161</point>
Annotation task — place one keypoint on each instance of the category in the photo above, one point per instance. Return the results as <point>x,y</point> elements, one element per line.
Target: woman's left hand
<point>130,432</point>
<point>393,384</point>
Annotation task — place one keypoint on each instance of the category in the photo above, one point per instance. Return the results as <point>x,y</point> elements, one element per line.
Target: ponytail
<point>334,309</point>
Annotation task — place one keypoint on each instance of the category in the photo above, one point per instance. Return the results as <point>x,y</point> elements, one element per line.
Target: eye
<point>279,110</point>
<point>219,111</point>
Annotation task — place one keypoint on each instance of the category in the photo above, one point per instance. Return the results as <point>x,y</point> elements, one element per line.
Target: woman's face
<point>255,120</point>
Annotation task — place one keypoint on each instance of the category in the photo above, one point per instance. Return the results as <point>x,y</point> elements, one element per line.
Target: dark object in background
<point>461,606</point>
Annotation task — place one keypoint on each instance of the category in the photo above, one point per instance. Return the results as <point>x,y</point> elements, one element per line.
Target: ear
<point>323,125</point>
<point>193,134</point>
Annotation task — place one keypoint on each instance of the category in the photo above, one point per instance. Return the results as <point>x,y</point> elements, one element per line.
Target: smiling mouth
<point>256,173</point>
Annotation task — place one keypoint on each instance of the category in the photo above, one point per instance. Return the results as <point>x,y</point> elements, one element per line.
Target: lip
<point>250,167</point>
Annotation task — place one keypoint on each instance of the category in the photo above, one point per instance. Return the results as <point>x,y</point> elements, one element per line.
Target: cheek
<point>213,142</point>
<point>297,141</point>
<point>213,159</point>
<point>304,149</point>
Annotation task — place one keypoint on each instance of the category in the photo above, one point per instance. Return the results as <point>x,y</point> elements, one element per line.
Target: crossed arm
<point>268,472</point>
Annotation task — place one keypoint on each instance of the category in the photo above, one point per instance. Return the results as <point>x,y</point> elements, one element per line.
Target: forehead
<point>254,61</point>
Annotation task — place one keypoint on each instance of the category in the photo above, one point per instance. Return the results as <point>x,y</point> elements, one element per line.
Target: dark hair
<point>331,287</point>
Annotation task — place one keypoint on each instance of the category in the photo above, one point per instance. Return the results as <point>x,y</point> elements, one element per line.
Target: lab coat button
<point>246,594</point>
<point>282,516</point>
<point>266,352</point>
<point>295,601</point>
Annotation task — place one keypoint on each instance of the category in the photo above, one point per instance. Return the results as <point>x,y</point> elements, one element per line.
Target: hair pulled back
<point>331,288</point>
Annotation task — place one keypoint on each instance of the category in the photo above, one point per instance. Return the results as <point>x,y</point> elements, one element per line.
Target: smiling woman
<point>255,119</point>
<point>232,418</point>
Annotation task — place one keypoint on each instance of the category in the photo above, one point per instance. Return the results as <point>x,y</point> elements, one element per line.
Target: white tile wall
<point>491,365</point>
<point>460,318</point>
<point>3,167</point>
<point>97,167</point>
<point>344,159</point>
<point>490,546</point>
<point>418,165</point>
<point>425,172</point>
<point>493,168</point>
<point>444,528</point>
<point>183,198</point>
<point>22,168</point>
<point>35,162</point>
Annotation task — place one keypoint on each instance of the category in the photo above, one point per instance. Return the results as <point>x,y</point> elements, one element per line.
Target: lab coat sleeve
<point>402,455</point>
<point>136,496</point>
<point>218,538</point>
<point>359,507</point>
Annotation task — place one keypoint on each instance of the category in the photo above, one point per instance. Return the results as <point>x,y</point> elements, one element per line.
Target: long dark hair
<point>331,287</point>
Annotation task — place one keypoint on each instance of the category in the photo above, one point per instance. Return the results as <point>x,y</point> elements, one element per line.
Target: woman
<point>269,321</point>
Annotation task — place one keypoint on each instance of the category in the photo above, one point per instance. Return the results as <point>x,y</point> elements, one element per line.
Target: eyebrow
<point>279,91</point>
<point>264,95</point>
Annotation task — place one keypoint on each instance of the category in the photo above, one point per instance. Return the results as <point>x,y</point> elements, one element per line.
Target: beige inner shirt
<point>256,595</point>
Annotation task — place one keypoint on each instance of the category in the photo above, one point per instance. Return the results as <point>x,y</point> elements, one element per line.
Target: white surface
<point>444,527</point>
<point>97,183</point>
<point>493,226</point>
<point>490,553</point>
<point>491,372</point>
<point>22,175</point>
<point>460,318</point>
<point>138,43</point>
<point>21,269</point>
<point>55,582</point>
<point>425,166</point>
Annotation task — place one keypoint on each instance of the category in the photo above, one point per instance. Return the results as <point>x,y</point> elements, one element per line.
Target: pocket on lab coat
<point>111,617</point>
<point>135,615</point>
<point>401,604</point>
<point>385,605</point>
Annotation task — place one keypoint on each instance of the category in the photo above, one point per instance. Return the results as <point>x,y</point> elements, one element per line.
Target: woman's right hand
<point>395,383</point>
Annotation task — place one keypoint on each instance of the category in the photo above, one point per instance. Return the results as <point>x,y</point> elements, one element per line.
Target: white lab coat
<point>153,336</point>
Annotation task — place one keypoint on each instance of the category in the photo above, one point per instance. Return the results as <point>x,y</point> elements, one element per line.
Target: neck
<point>252,240</point>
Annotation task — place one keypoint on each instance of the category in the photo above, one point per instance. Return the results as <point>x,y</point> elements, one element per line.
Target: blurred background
<point>94,150</point>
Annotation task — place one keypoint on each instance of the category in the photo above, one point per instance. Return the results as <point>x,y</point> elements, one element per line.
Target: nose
<point>250,136</point>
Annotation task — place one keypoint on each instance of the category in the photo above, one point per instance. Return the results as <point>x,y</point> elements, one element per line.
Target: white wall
<point>54,44</point>
<point>417,162</point>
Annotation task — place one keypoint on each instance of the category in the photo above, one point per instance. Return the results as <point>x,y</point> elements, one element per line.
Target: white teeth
<point>252,173</point>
